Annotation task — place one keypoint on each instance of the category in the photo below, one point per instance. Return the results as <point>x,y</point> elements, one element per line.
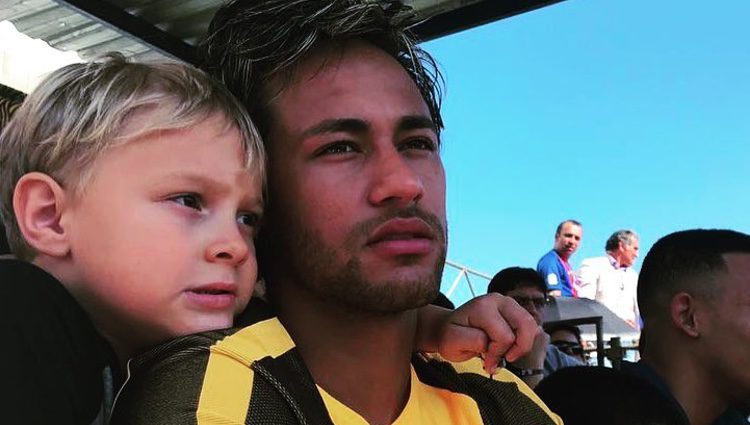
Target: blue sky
<point>621,114</point>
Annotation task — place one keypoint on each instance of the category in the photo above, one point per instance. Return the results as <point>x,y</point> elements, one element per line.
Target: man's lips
<point>213,296</point>
<point>402,236</point>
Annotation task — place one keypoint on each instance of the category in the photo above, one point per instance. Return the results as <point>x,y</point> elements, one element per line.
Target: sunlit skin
<point>161,242</point>
<point>628,253</point>
<point>532,293</point>
<point>726,336</point>
<point>568,240</point>
<point>358,206</point>
<point>707,342</point>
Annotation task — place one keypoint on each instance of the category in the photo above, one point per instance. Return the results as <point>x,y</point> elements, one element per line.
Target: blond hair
<point>81,110</point>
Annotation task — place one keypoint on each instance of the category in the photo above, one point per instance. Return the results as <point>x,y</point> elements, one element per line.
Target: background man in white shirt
<point>611,279</point>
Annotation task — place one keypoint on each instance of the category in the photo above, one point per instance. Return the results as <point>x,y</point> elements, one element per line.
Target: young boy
<point>132,194</point>
<point>132,191</point>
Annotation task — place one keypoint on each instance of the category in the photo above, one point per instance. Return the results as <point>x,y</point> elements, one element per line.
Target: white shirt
<point>602,279</point>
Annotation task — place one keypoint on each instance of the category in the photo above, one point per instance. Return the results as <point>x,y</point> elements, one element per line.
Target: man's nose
<point>394,180</point>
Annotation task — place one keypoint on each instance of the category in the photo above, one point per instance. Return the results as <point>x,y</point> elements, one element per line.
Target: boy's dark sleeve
<point>52,359</point>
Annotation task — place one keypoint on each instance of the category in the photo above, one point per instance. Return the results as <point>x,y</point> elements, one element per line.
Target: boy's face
<point>162,235</point>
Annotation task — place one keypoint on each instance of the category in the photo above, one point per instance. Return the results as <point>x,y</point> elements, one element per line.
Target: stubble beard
<point>318,268</point>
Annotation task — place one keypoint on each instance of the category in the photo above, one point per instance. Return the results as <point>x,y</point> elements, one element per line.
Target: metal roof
<point>146,29</point>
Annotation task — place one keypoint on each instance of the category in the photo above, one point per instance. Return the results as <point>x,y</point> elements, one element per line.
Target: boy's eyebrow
<point>203,181</point>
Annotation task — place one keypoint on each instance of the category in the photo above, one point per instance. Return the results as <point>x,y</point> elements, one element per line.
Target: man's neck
<point>690,386</point>
<point>562,256</point>
<point>361,360</point>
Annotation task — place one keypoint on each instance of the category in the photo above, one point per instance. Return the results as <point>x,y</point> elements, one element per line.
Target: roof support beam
<point>473,15</point>
<point>123,22</point>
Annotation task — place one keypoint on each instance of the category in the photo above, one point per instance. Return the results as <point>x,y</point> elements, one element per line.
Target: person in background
<point>694,295</point>
<point>527,288</point>
<point>567,338</point>
<point>554,266</point>
<point>611,279</point>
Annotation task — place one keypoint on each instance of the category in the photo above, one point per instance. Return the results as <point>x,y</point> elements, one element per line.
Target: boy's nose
<point>232,248</point>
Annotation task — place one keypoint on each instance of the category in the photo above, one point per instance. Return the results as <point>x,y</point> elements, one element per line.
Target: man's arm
<point>588,279</point>
<point>549,271</point>
<point>492,325</point>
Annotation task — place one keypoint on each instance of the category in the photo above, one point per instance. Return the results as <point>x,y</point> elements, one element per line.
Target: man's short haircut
<point>684,261</point>
<point>250,43</point>
<point>512,278</point>
<point>562,223</point>
<point>562,326</point>
<point>81,110</point>
<point>625,236</point>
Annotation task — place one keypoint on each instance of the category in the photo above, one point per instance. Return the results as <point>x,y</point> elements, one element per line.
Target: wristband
<point>524,372</point>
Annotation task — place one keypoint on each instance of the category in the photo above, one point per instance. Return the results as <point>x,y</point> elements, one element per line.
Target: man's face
<point>725,340</point>
<point>161,238</point>
<point>568,240</point>
<point>356,184</point>
<point>532,299</point>
<point>628,253</point>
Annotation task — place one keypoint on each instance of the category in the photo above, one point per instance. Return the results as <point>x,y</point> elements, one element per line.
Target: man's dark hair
<point>562,223</point>
<point>562,326</point>
<point>250,43</point>
<point>511,278</point>
<point>685,261</point>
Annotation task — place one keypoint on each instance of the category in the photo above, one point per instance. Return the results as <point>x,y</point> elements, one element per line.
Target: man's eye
<point>419,143</point>
<point>248,219</point>
<point>189,200</point>
<point>337,148</point>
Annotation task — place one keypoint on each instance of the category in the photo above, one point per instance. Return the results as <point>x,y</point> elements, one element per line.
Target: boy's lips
<point>213,296</point>
<point>402,236</point>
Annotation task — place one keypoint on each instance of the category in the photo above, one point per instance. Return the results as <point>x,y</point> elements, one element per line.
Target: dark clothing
<point>644,371</point>
<point>597,395</point>
<point>53,358</point>
<point>255,375</point>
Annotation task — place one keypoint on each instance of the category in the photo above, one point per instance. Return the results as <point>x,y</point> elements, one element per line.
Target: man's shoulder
<point>501,398</point>
<point>216,373</point>
<point>597,261</point>
<point>548,259</point>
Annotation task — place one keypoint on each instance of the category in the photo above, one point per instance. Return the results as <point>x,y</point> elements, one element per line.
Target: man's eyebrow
<point>344,125</point>
<point>416,122</point>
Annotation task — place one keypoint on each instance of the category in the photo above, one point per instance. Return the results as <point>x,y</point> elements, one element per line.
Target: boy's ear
<point>38,202</point>
<point>683,314</point>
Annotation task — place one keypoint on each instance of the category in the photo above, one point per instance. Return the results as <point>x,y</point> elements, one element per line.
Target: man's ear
<point>38,202</point>
<point>683,314</point>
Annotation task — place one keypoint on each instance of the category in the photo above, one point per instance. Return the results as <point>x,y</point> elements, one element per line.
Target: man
<point>694,296</point>
<point>554,267</point>
<point>611,279</point>
<point>567,338</point>
<point>354,238</point>
<point>527,288</point>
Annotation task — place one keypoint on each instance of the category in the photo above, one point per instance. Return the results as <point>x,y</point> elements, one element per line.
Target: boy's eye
<point>337,148</point>
<point>248,219</point>
<point>189,200</point>
<point>419,143</point>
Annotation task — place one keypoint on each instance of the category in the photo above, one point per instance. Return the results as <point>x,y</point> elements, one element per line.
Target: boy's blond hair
<point>81,110</point>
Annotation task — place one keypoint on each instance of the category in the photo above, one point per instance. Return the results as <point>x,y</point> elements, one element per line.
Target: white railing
<point>464,274</point>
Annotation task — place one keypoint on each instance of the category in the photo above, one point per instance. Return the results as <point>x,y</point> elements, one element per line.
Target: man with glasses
<point>529,290</point>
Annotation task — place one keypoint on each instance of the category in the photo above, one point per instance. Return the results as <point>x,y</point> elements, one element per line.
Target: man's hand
<point>491,325</point>
<point>534,360</point>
